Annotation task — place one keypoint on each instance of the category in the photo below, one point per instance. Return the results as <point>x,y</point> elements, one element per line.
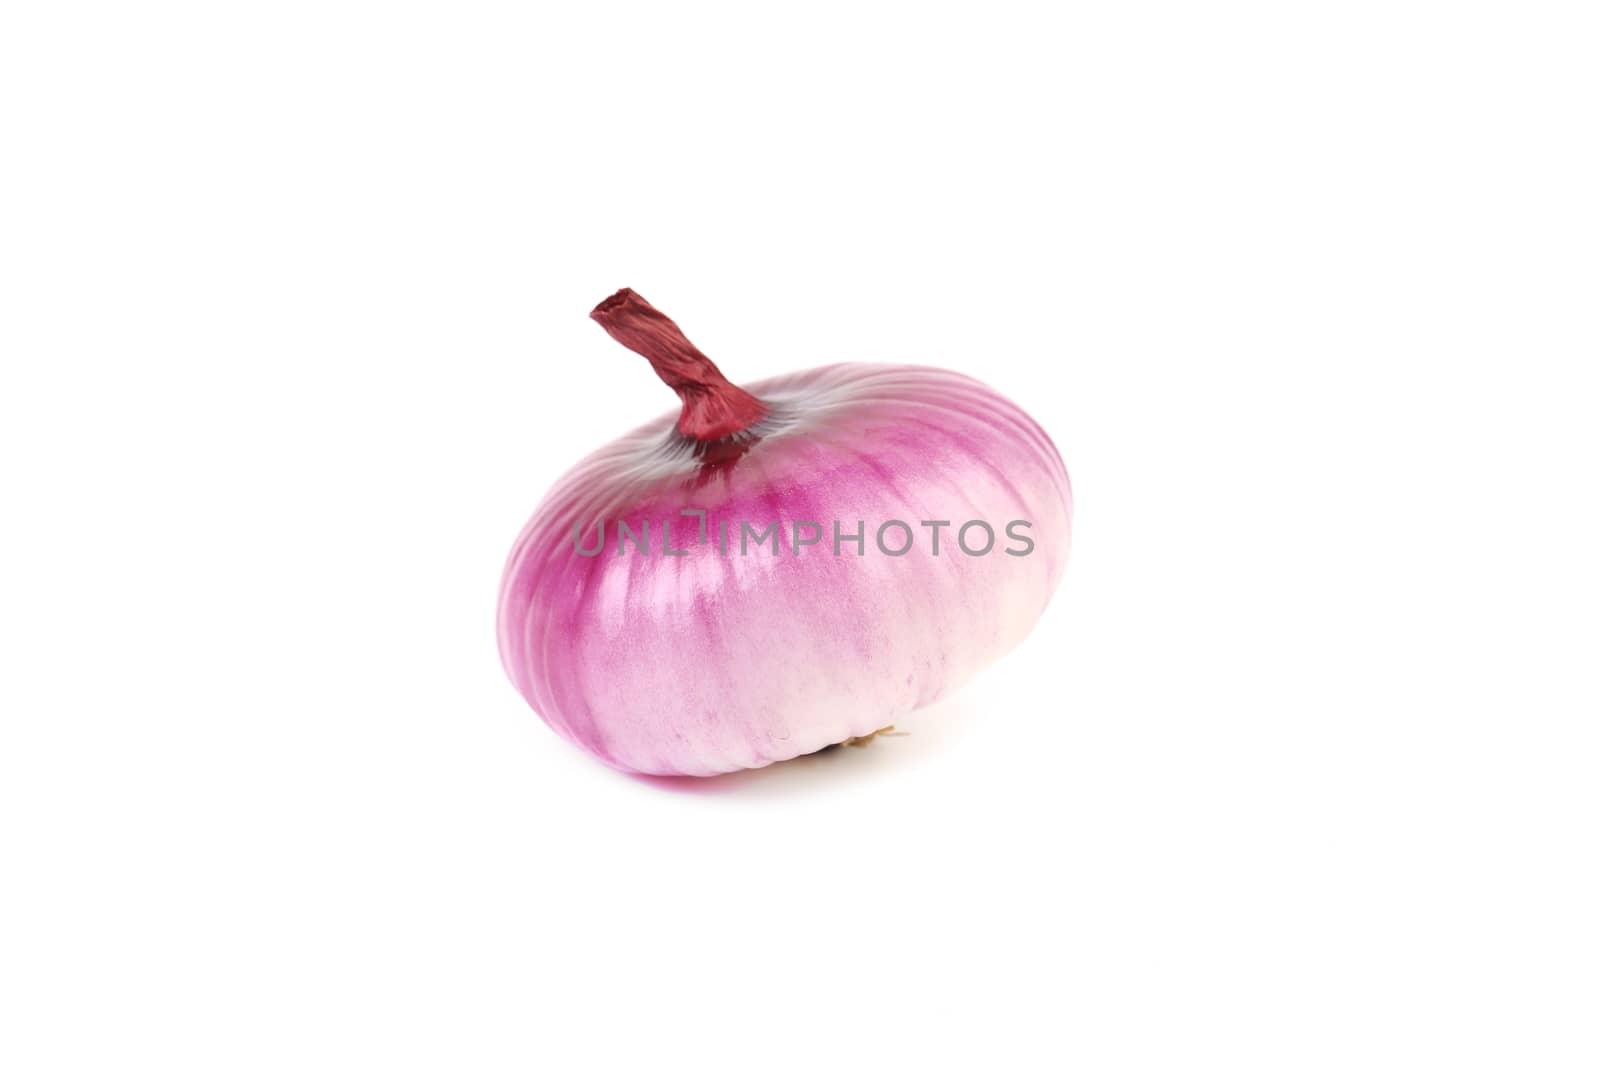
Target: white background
<point>1299,768</point>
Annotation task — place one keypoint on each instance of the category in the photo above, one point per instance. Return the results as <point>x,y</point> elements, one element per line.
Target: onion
<point>779,568</point>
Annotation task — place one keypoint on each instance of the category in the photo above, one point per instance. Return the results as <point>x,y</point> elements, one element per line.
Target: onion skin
<point>705,663</point>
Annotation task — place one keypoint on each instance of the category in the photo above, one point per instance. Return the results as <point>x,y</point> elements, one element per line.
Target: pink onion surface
<point>703,663</point>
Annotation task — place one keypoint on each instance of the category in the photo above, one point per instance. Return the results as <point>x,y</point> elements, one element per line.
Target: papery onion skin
<point>705,663</point>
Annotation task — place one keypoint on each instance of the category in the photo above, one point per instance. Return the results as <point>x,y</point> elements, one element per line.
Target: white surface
<point>1299,768</point>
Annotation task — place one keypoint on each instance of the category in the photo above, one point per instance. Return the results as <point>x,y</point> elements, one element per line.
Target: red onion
<point>653,614</point>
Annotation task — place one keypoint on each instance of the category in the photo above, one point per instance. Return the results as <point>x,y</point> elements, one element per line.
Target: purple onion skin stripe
<point>705,663</point>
